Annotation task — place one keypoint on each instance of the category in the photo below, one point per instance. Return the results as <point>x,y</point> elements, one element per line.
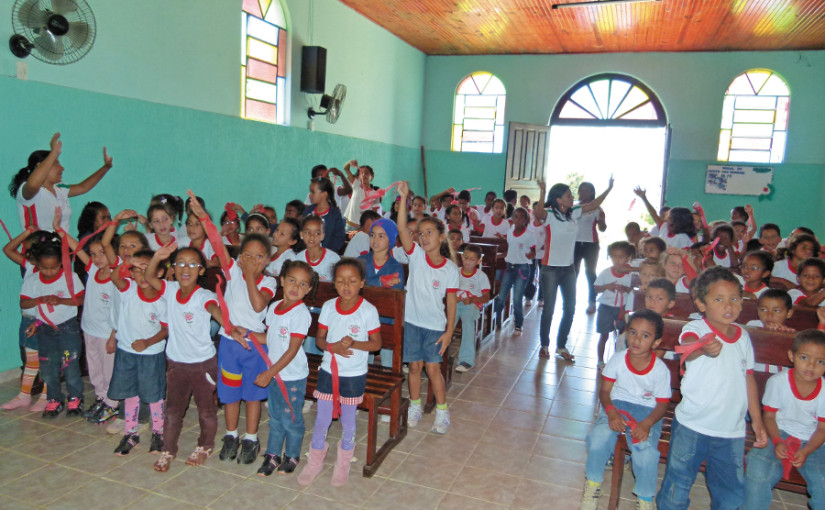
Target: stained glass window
<point>263,61</point>
<point>755,118</point>
<point>478,114</point>
<point>609,99</point>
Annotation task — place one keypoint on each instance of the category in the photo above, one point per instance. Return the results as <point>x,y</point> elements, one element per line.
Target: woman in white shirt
<point>561,224</point>
<point>587,241</point>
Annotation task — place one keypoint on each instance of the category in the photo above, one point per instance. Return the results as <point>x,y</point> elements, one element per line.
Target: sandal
<point>199,456</point>
<point>163,462</point>
<point>565,354</point>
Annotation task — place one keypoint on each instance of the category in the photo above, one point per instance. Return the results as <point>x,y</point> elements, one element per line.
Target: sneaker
<point>229,450</point>
<point>442,421</point>
<point>414,414</point>
<point>307,406</point>
<point>642,504</point>
<point>592,493</point>
<point>53,408</point>
<point>544,352</point>
<point>564,353</point>
<point>591,309</point>
<point>74,407</point>
<point>105,413</point>
<point>517,332</point>
<point>39,405</point>
<point>463,367</point>
<point>271,463</point>
<point>117,425</point>
<point>287,466</point>
<point>128,442</point>
<point>21,400</point>
<point>156,446</point>
<point>91,413</point>
<point>249,451</point>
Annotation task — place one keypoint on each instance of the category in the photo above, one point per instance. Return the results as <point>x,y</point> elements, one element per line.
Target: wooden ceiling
<point>481,27</point>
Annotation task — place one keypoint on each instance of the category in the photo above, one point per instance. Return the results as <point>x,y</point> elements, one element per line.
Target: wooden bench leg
<point>618,474</point>
<point>398,417</point>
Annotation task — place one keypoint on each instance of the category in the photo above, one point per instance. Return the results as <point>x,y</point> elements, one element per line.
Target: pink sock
<point>130,408</point>
<point>156,409</point>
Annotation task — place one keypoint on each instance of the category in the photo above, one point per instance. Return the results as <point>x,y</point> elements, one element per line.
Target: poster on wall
<point>739,180</point>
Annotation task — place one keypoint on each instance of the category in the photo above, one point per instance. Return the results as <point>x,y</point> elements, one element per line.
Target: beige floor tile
<point>554,471</point>
<point>100,494</point>
<point>96,459</point>
<point>560,448</point>
<point>47,484</point>
<point>573,411</point>
<point>7,503</point>
<point>488,485</point>
<point>311,502</point>
<point>156,501</point>
<point>419,470</point>
<point>527,403</point>
<point>252,493</point>
<point>540,496</point>
<point>561,427</point>
<point>18,432</point>
<point>357,488</point>
<point>198,485</point>
<point>15,465</point>
<point>501,456</point>
<point>456,502</point>
<point>396,495</point>
<point>486,396</point>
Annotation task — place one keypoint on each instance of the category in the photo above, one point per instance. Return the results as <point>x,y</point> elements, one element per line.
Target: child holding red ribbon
<point>717,390</point>
<point>348,330</point>
<point>794,415</point>
<point>56,296</point>
<point>287,323</point>
<point>635,393</point>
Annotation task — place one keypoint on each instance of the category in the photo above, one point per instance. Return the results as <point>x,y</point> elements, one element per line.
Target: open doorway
<point>607,125</point>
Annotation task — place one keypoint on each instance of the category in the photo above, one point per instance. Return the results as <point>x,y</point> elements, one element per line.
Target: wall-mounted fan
<point>331,105</point>
<point>54,31</point>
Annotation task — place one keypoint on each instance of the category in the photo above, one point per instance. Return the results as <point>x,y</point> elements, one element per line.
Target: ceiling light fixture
<point>599,2</point>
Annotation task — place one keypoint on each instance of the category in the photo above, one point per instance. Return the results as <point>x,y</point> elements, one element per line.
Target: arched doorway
<point>611,124</point>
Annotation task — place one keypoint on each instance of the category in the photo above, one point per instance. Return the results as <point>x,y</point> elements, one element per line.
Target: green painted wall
<point>691,87</point>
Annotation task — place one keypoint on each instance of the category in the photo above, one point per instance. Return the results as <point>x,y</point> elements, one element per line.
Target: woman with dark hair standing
<point>39,189</point>
<point>561,221</point>
<point>587,241</point>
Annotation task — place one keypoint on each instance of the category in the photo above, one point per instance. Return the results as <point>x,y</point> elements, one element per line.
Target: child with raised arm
<point>348,330</point>
<point>428,325</point>
<point>717,390</point>
<point>635,382</point>
<point>793,411</point>
<point>192,364</point>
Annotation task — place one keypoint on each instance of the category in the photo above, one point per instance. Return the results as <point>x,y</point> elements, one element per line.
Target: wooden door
<point>526,158</point>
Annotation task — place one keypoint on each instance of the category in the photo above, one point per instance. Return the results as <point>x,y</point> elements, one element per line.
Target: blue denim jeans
<point>724,469</point>
<point>553,277</point>
<point>282,426</point>
<point>468,314</point>
<point>765,470</point>
<point>589,252</point>
<point>59,349</point>
<point>515,277</point>
<point>602,440</point>
<point>532,284</point>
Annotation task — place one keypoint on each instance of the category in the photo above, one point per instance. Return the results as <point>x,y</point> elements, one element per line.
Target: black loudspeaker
<point>313,69</point>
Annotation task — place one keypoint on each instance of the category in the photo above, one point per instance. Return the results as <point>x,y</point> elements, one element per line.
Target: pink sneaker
<point>21,400</point>
<point>40,405</point>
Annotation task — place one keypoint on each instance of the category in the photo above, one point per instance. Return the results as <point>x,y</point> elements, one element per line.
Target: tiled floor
<point>517,441</point>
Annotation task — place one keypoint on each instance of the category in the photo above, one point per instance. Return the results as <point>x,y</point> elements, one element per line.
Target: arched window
<point>609,100</point>
<point>478,114</point>
<point>263,61</point>
<point>755,118</point>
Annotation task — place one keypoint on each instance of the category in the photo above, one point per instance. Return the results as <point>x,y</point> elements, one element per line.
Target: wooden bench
<point>770,348</point>
<point>804,317</point>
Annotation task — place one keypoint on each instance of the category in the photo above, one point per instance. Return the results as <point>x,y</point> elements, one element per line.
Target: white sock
<point>251,437</point>
<point>233,433</point>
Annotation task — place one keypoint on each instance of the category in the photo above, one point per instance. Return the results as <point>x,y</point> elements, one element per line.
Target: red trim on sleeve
<point>450,291</point>
<point>268,291</point>
<point>689,334</point>
<point>322,326</point>
<point>821,418</point>
<point>605,378</point>
<point>660,400</point>
<point>411,250</point>
<point>297,335</point>
<point>749,371</point>
<point>164,324</point>
<point>769,409</point>
<point>25,297</point>
<point>211,301</point>
<point>373,331</point>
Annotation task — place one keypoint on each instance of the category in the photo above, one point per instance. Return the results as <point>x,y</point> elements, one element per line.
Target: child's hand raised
<point>107,159</point>
<point>125,215</point>
<point>164,252</point>
<point>639,192</point>
<point>403,189</point>
<point>55,144</point>
<point>197,210</point>
<point>58,215</point>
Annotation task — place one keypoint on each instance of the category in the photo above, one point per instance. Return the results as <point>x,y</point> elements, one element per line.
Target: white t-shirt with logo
<point>358,245</point>
<point>714,390</point>
<point>540,234</point>
<point>358,323</point>
<point>473,285</point>
<point>39,210</point>
<point>322,266</point>
<point>282,325</point>
<point>587,227</point>
<point>139,318</point>
<point>611,297</point>
<point>37,286</point>
<point>241,312</point>
<point>683,286</point>
<point>276,262</point>
<point>645,388</point>
<point>155,243</point>
<point>681,241</point>
<point>207,249</point>
<point>189,324</point>
<point>518,246</point>
<point>797,296</point>
<point>491,228</point>
<point>783,269</point>
<point>427,286</point>
<point>795,415</point>
<point>561,239</point>
<point>97,304</point>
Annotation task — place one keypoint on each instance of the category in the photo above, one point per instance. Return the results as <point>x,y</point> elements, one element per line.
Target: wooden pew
<point>770,348</point>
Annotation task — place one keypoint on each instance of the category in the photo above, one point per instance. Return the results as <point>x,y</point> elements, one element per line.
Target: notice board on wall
<point>738,180</point>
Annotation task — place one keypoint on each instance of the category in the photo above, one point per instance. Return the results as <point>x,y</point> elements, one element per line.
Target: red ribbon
<point>687,350</point>
<point>278,379</point>
<point>231,215</point>
<point>632,203</point>
<point>7,230</point>
<point>227,326</point>
<point>689,271</point>
<point>66,259</point>
<point>214,237</point>
<point>336,390</point>
<point>123,270</point>
<point>793,444</point>
<point>631,423</point>
<point>50,308</point>
<point>385,280</point>
<point>711,246</point>
<point>81,243</point>
<point>377,194</point>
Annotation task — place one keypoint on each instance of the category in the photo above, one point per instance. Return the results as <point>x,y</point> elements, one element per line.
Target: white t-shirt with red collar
<point>797,415</point>
<point>427,285</point>
<point>783,269</point>
<point>155,243</point>
<point>97,303</point>
<point>797,296</point>
<point>189,324</point>
<point>37,286</point>
<point>482,213</point>
<point>241,312</point>
<point>322,266</point>
<point>611,297</point>
<point>358,323</point>
<point>758,291</point>
<point>645,388</point>
<point>276,262</point>
<point>39,210</point>
<point>540,233</point>
<point>519,246</point>
<point>681,241</point>
<point>714,390</point>
<point>139,318</point>
<point>587,232</point>
<point>439,213</point>
<point>561,238</point>
<point>282,325</point>
<point>722,261</point>
<point>490,228</point>
<point>358,245</point>
<point>207,249</point>
<point>473,285</point>
<point>683,285</point>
